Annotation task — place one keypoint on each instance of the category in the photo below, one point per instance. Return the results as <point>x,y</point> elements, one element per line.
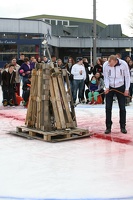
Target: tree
<point>130,21</point>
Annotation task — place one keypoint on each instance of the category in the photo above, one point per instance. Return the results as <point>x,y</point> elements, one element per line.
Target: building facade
<point>65,36</point>
<point>21,36</point>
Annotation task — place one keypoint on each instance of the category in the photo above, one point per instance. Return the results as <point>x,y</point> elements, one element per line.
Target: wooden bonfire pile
<point>50,113</point>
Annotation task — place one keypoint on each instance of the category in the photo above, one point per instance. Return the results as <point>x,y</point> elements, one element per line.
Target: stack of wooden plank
<point>50,114</point>
<point>50,105</point>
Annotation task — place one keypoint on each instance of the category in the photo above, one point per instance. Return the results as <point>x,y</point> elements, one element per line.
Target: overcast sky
<point>108,11</point>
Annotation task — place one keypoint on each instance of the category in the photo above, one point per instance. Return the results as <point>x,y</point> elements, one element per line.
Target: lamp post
<point>94,32</point>
<point>130,50</point>
<point>91,50</point>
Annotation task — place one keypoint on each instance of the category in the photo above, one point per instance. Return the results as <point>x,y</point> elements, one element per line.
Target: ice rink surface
<point>96,167</point>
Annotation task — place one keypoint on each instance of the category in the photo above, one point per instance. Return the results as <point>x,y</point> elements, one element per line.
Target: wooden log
<point>42,101</point>
<point>45,116</point>
<point>71,102</point>
<point>47,121</point>
<point>64,98</point>
<point>34,102</point>
<point>29,118</point>
<point>58,101</point>
<point>39,89</point>
<point>54,105</point>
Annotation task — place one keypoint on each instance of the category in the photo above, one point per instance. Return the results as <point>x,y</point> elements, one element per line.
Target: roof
<point>66,18</point>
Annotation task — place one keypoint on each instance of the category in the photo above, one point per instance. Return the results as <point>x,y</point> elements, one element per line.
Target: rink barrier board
<point>52,136</point>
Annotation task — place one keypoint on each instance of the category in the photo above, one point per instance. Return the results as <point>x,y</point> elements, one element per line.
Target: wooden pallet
<point>52,136</point>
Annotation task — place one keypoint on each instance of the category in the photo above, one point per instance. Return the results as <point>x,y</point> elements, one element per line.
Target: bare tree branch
<point>131,20</point>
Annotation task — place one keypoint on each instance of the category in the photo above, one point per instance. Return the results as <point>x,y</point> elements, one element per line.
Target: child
<point>26,90</point>
<point>93,88</point>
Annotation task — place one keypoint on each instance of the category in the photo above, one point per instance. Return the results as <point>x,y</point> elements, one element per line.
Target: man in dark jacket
<point>8,87</point>
<point>0,76</point>
<point>87,80</point>
<point>21,59</point>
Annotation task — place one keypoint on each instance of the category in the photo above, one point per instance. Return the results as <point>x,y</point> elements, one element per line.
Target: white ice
<point>89,168</point>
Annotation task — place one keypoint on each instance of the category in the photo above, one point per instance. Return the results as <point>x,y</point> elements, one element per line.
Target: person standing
<point>45,60</point>
<point>54,60</point>
<point>127,59</point>
<point>33,62</point>
<point>130,64</point>
<point>0,76</point>
<point>26,90</point>
<point>20,61</point>
<point>39,60</point>
<point>17,79</point>
<point>87,80</point>
<point>98,67</point>
<point>25,69</point>
<point>79,76</point>
<point>117,79</point>
<point>8,79</point>
<point>68,67</point>
<point>60,64</point>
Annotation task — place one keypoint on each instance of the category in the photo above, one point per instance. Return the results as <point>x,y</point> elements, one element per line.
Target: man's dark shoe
<point>107,131</point>
<point>10,103</point>
<point>123,130</point>
<point>5,103</point>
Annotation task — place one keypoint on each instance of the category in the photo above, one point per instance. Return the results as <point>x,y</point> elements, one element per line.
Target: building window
<point>107,50</point>
<point>7,57</point>
<point>25,36</point>
<point>29,49</point>
<point>59,22</point>
<point>65,22</point>
<point>7,52</point>
<point>47,21</point>
<point>30,36</point>
<point>8,49</point>
<point>85,50</point>
<point>53,22</point>
<point>8,36</point>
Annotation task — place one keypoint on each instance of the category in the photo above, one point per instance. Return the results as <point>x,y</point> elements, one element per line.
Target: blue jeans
<point>77,85</point>
<point>24,79</point>
<point>71,86</point>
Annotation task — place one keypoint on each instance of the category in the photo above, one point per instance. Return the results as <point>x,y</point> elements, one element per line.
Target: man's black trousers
<point>121,102</point>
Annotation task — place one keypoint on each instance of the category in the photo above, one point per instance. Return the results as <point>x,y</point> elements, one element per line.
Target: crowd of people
<point>108,78</point>
<point>11,76</point>
<point>86,81</point>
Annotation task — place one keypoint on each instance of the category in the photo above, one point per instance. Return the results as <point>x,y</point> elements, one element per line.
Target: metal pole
<point>130,51</point>
<point>91,51</point>
<point>94,32</point>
